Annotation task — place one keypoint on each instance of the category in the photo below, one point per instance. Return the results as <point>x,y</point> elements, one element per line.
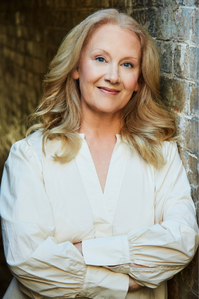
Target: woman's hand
<point>79,247</point>
<point>133,286</point>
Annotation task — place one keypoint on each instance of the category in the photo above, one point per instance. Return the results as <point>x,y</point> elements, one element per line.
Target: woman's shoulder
<point>34,148</point>
<point>170,154</point>
<point>169,149</point>
<point>171,158</point>
<point>33,141</point>
<point>28,148</point>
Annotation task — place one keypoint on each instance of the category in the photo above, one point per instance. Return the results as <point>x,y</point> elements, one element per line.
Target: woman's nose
<point>112,74</point>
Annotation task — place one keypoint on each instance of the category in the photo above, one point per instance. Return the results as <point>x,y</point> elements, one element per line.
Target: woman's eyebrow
<point>128,57</point>
<point>100,50</point>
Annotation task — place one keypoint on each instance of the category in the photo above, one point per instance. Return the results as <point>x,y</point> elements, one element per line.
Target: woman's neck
<point>100,124</point>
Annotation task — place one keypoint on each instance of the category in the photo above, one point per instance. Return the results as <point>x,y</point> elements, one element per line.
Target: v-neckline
<point>118,140</point>
<point>103,203</point>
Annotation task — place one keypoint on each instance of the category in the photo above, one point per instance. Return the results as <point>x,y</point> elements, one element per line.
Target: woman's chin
<point>106,109</point>
<point>107,112</point>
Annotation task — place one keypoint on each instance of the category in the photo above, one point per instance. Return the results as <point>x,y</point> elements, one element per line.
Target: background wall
<point>30,33</point>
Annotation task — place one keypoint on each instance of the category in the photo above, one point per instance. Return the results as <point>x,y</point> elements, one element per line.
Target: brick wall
<point>30,33</point>
<point>175,27</point>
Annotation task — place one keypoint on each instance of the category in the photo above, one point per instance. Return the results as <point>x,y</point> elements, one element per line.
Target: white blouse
<point>47,206</point>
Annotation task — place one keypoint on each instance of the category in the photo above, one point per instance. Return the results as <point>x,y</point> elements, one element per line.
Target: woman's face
<point>109,69</point>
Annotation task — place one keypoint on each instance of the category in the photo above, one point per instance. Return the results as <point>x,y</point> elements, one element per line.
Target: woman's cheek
<point>92,74</point>
<point>131,83</point>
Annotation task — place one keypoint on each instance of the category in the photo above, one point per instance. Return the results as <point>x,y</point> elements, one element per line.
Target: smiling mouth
<point>109,91</point>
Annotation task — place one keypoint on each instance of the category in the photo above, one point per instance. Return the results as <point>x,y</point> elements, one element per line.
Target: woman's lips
<point>107,90</point>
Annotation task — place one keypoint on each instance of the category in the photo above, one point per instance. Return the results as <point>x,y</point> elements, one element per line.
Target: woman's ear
<point>75,74</point>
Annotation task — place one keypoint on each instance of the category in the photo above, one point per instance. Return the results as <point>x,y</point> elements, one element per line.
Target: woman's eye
<point>128,65</point>
<point>100,59</point>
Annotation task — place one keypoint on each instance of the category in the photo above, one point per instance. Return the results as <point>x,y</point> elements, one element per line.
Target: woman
<point>96,203</point>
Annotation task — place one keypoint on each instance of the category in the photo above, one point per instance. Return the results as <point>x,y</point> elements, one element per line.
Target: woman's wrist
<point>79,247</point>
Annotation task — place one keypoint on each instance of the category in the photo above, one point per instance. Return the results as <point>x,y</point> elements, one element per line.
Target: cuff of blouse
<point>108,251</point>
<point>101,283</point>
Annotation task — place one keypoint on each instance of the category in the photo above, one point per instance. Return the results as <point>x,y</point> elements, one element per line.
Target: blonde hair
<point>145,124</point>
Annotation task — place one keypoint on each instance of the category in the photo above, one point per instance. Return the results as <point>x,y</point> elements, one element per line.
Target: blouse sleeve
<point>165,249</point>
<point>43,266</point>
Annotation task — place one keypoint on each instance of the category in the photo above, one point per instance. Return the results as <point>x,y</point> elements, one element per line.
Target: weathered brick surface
<point>181,61</point>
<point>166,51</point>
<point>194,96</point>
<point>188,130</point>
<point>195,22</point>
<point>188,2</point>
<point>186,63</point>
<point>30,33</point>
<point>183,18</point>
<point>175,93</point>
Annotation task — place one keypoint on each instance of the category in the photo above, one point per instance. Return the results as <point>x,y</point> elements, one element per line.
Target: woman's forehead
<point>112,37</point>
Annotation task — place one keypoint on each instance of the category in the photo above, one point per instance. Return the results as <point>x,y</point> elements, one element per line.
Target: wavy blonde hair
<point>145,124</point>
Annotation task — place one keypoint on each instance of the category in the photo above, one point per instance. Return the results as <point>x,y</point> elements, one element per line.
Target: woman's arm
<point>40,264</point>
<point>163,249</point>
<point>133,285</point>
